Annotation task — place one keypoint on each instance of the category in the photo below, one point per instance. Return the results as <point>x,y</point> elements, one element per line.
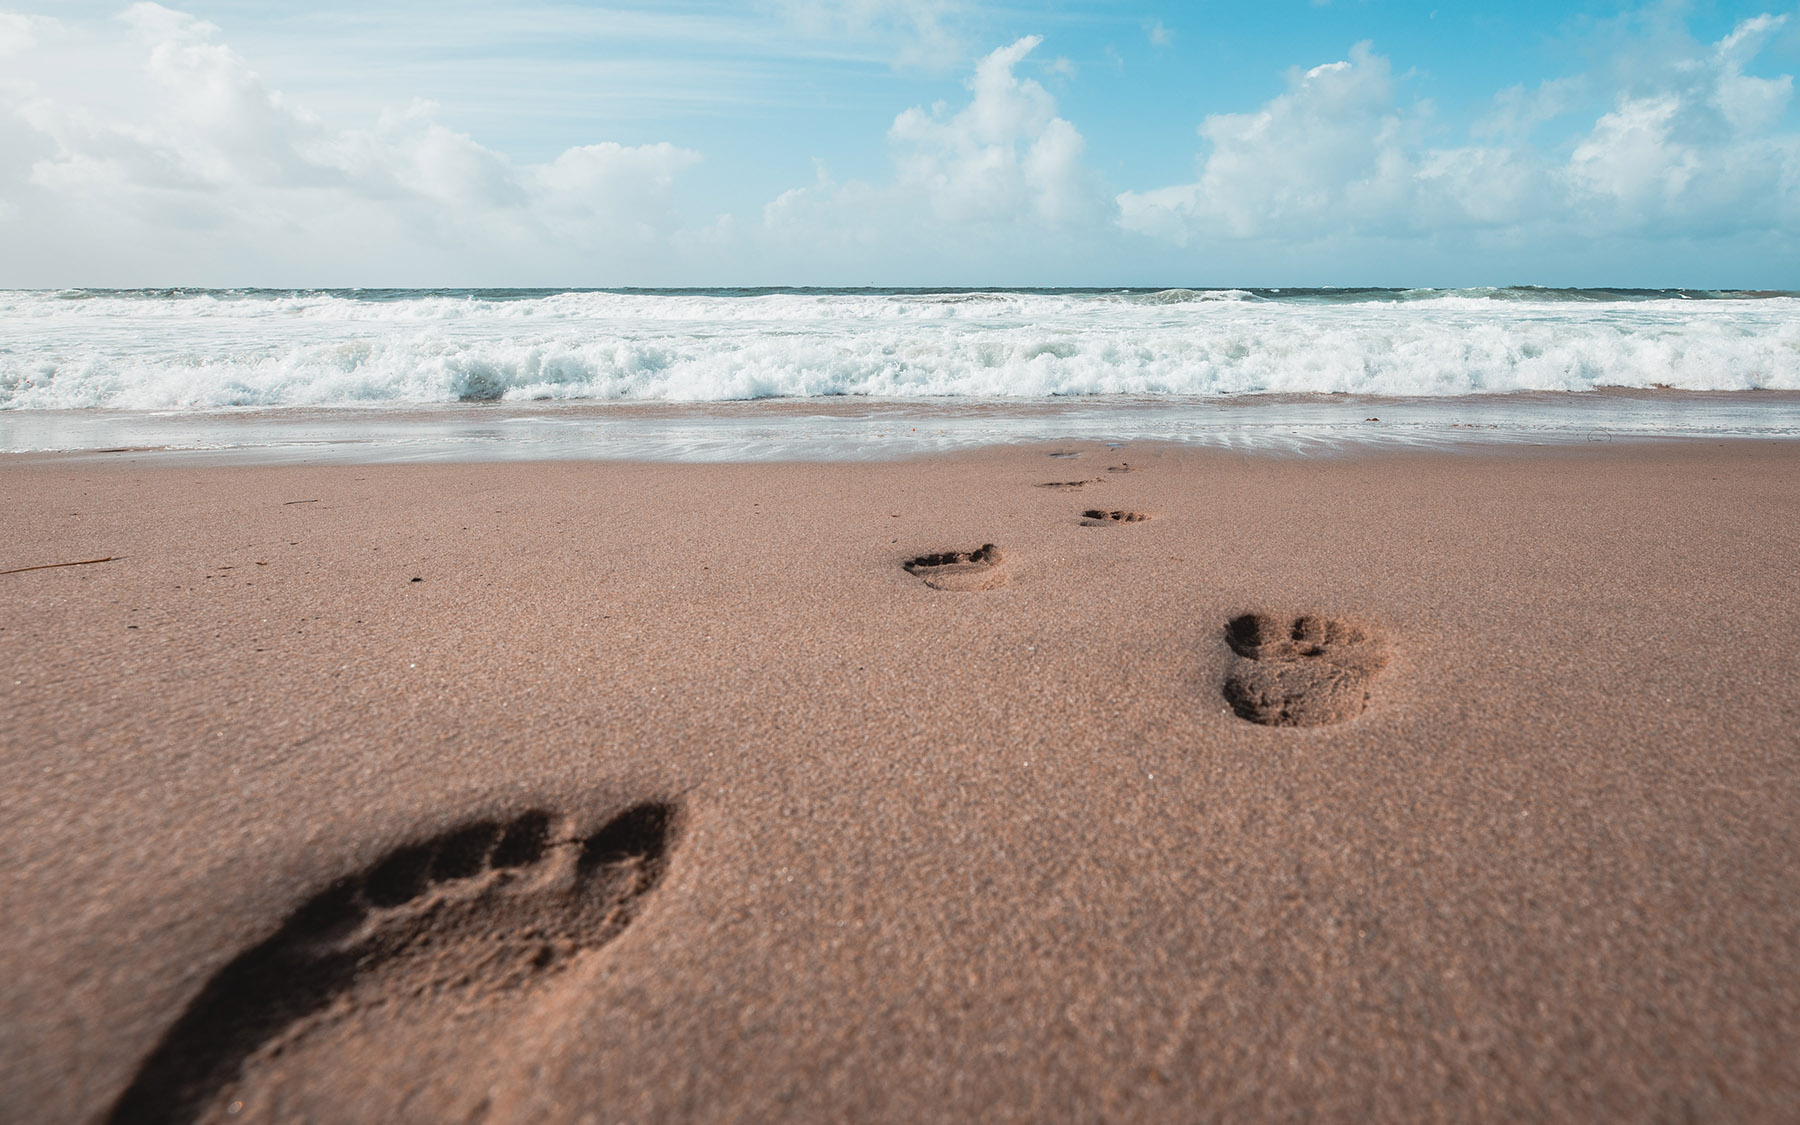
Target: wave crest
<point>217,349</point>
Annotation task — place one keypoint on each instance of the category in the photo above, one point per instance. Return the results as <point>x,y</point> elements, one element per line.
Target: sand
<point>1499,821</point>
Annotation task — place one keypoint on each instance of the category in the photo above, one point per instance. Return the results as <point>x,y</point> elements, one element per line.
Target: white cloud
<point>1332,150</point>
<point>1158,35</point>
<point>1004,163</point>
<point>1695,149</point>
<point>832,220</point>
<point>178,151</point>
<point>1699,148</point>
<point>994,191</point>
<point>18,33</point>
<point>1004,156</point>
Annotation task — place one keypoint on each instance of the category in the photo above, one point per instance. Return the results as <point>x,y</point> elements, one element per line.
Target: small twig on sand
<point>53,566</point>
<point>285,503</point>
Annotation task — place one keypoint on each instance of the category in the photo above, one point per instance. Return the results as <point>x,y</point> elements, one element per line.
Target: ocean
<point>761,373</point>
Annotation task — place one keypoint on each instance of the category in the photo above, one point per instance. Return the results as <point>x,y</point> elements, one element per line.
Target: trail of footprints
<point>472,920</point>
<point>1284,671</point>
<point>487,912</point>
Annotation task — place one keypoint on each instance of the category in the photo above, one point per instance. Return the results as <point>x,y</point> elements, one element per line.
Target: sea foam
<point>163,350</point>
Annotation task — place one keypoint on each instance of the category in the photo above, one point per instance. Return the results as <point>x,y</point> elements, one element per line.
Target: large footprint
<point>981,569</point>
<point>1300,671</point>
<point>407,964</point>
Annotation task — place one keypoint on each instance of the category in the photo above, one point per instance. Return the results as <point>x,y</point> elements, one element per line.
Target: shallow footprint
<point>376,998</point>
<point>981,569</point>
<point>1300,671</point>
<point>1100,517</point>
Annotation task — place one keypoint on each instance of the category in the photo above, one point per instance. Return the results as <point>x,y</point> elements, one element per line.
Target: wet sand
<point>597,791</point>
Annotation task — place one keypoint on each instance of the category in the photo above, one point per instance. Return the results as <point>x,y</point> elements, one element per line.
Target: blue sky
<point>1287,142</point>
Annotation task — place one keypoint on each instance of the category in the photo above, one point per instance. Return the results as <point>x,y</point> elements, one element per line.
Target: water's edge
<point>850,430</point>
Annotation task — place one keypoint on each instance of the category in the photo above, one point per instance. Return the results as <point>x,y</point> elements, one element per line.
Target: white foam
<point>219,349</point>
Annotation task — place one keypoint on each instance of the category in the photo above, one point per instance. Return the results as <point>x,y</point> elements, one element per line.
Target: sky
<point>878,142</point>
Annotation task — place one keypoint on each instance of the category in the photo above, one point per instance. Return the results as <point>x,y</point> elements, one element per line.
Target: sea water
<point>749,373</point>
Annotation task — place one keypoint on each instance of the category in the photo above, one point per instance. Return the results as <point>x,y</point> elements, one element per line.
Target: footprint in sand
<point>1300,671</point>
<point>1067,485</point>
<point>981,569</point>
<point>1100,517</point>
<point>386,994</point>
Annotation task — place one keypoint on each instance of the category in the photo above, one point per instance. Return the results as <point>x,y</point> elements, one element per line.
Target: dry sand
<point>592,791</point>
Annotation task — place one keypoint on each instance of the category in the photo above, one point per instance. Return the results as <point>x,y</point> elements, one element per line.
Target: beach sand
<point>591,791</point>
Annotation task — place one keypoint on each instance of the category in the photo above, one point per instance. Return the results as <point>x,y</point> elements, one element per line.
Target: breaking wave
<point>212,349</point>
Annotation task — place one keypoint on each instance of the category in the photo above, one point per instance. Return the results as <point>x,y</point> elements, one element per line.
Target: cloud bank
<point>1697,149</point>
<point>144,149</point>
<point>145,143</point>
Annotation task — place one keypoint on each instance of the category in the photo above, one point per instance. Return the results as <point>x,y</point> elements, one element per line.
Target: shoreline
<point>1008,848</point>
<point>863,429</point>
